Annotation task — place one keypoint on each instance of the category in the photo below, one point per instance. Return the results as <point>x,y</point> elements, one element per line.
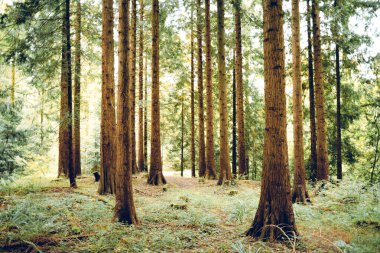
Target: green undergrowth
<point>46,216</point>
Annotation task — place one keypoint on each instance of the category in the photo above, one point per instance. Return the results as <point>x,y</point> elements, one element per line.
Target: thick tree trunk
<point>155,174</point>
<point>132,78</point>
<point>77,69</point>
<point>322,156</point>
<point>274,219</point>
<point>192,77</point>
<point>225,166</point>
<point>234,151</point>
<point>125,207</point>
<point>313,133</point>
<point>210,159</point>
<point>141,161</point>
<point>108,120</point>
<point>201,131</point>
<point>146,115</point>
<point>299,186</point>
<point>338,115</point>
<point>239,91</point>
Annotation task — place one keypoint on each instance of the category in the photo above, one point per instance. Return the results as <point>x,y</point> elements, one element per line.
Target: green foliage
<point>13,138</point>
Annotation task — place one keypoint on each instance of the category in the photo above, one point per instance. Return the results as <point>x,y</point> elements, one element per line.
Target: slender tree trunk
<point>313,133</point>
<point>67,64</point>
<point>239,91</point>
<point>225,166</point>
<point>63,121</point>
<point>77,66</point>
<point>132,78</point>
<point>338,115</point>
<point>141,161</point>
<point>322,156</point>
<point>182,130</point>
<point>192,77</point>
<point>155,174</point>
<point>274,219</point>
<point>299,187</point>
<point>108,118</point>
<point>13,84</point>
<point>42,113</point>
<point>125,207</point>
<point>146,115</point>
<point>234,153</point>
<point>376,152</point>
<point>210,159</point>
<point>201,135</point>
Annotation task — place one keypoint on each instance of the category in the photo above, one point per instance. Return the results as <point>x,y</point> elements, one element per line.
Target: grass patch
<point>44,215</point>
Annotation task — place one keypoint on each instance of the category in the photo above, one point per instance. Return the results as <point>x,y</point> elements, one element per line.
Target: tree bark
<point>239,91</point>
<point>210,159</point>
<point>124,208</point>
<point>108,118</point>
<point>63,151</point>
<point>146,115</point>
<point>77,88</point>
<point>225,167</point>
<point>68,142</point>
<point>141,161</point>
<point>192,77</point>
<point>338,115</point>
<point>201,132</point>
<point>313,133</point>
<point>322,156</point>
<point>274,219</point>
<point>132,78</point>
<point>155,174</point>
<point>299,186</point>
<point>13,83</point>
<point>182,133</point>
<point>234,153</point>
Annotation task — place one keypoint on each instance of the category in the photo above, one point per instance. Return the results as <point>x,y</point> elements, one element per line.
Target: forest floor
<point>188,215</point>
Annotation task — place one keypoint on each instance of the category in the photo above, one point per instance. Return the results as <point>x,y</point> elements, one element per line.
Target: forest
<point>189,126</point>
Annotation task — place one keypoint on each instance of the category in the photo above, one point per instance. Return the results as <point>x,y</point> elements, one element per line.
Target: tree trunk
<point>108,120</point>
<point>182,134</point>
<point>225,167</point>
<point>155,174</point>
<point>201,135</point>
<point>125,207</point>
<point>210,159</point>
<point>239,91</point>
<point>141,161</point>
<point>66,62</point>
<point>322,156</point>
<point>274,219</point>
<point>13,84</point>
<point>313,133</point>
<point>146,115</point>
<point>192,77</point>
<point>299,187</point>
<point>338,115</point>
<point>77,66</point>
<point>132,78</point>
<point>376,151</point>
<point>234,153</point>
